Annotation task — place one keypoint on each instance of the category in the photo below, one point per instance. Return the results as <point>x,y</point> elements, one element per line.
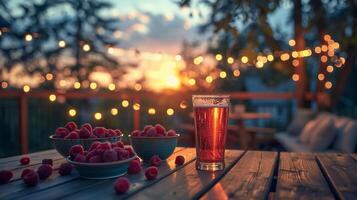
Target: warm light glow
<point>110,50</point>
<point>295,54</point>
<point>61,43</point>
<point>324,48</point>
<point>259,64</point>
<point>114,111</point>
<point>93,85</point>
<point>138,86</point>
<point>52,97</point>
<point>327,37</point>
<point>198,60</point>
<point>331,53</point>
<point>4,84</point>
<point>209,79</point>
<point>170,111</point>
<point>111,86</point>
<point>295,62</point>
<point>151,111</point>
<point>336,45</point>
<point>321,77</point>
<point>26,88</point>
<point>329,69</point>
<point>178,57</point>
<point>136,106</point>
<point>86,47</point>
<point>72,112</point>
<point>77,85</point>
<point>292,42</point>
<point>219,57</point>
<point>324,59</point>
<point>317,49</point>
<point>223,74</point>
<point>28,37</point>
<point>125,103</point>
<point>295,77</point>
<point>49,76</point>
<point>343,60</point>
<point>270,57</point>
<point>284,57</point>
<point>230,60</point>
<point>172,81</point>
<point>305,53</point>
<point>191,81</point>
<point>183,104</point>
<point>236,73</point>
<point>328,85</point>
<point>98,116</point>
<point>244,59</point>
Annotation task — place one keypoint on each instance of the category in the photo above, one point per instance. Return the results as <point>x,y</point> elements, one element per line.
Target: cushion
<point>306,132</point>
<point>301,117</point>
<point>291,143</point>
<point>323,134</point>
<point>347,138</point>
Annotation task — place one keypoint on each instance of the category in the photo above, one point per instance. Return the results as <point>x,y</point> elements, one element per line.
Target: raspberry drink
<point>211,116</point>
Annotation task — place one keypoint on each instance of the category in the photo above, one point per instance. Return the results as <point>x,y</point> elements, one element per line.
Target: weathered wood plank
<point>74,184</point>
<point>341,172</point>
<point>250,178</point>
<point>299,177</point>
<point>187,182</point>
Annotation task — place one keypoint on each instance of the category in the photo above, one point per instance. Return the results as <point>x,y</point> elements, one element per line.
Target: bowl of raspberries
<point>71,134</point>
<point>153,140</point>
<point>102,160</point>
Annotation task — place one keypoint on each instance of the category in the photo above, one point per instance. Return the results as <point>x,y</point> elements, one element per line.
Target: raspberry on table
<point>25,171</point>
<point>134,167</point>
<point>130,151</point>
<point>76,149</point>
<point>31,179</point>
<point>94,145</point>
<point>65,169</point>
<point>151,173</point>
<point>80,158</point>
<point>155,160</point>
<point>5,176</point>
<point>122,153</point>
<point>61,132</point>
<point>47,161</point>
<point>44,171</point>
<point>25,160</point>
<point>171,133</point>
<point>110,156</point>
<point>88,127</point>
<point>72,135</point>
<point>121,185</point>
<point>71,126</point>
<point>180,160</point>
<point>84,133</point>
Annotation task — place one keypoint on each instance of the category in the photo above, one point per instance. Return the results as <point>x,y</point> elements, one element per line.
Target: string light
<point>61,43</point>
<point>343,60</point>
<point>330,53</point>
<point>111,86</point>
<point>26,88</point>
<point>323,59</point>
<point>209,79</point>
<point>170,111</point>
<point>328,85</point>
<point>324,48</point>
<point>191,81</point>
<point>52,97</point>
<point>98,116</point>
<point>77,85</point>
<point>230,60</point>
<point>321,77</point>
<point>294,54</point>
<point>178,57</point>
<point>236,73</point>
<point>28,37</point>
<point>270,57</point>
<point>329,69</point>
<point>137,86</point>
<point>86,47</point>
<point>198,60</point>
<point>284,57</point>
<point>183,104</point>
<point>49,76</point>
<point>327,37</point>
<point>72,112</point>
<point>114,111</point>
<point>93,85</point>
<point>136,106</point>
<point>4,84</point>
<point>244,59</point>
<point>317,49</point>
<point>292,42</point>
<point>125,103</point>
<point>259,64</point>
<point>219,57</point>
<point>151,111</point>
<point>110,50</point>
<point>295,77</point>
<point>223,74</point>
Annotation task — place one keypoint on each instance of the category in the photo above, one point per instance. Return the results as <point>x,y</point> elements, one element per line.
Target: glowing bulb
<point>178,57</point>
<point>61,43</point>
<point>52,97</point>
<point>86,47</point>
<point>317,49</point>
<point>230,60</point>
<point>328,85</point>
<point>295,62</point>
<point>292,42</point>
<point>223,74</point>
<point>111,86</point>
<point>114,111</point>
<point>321,77</point>
<point>28,37</point>
<point>151,111</point>
<point>327,37</point>
<point>138,87</point>
<point>324,48</point>
<point>26,88</point>
<point>259,64</point>
<point>198,60</point>
<point>270,57</point>
<point>183,105</point>
<point>98,116</point>
<point>191,81</point>
<point>77,85</point>
<point>323,58</point>
<point>236,73</point>
<point>209,79</point>
<point>295,77</point>
<point>93,85</point>
<point>49,76</point>
<point>219,57</point>
<point>244,59</point>
<point>4,84</point>
<point>170,111</point>
<point>295,54</point>
<point>136,106</point>
<point>329,69</point>
<point>72,112</point>
<point>284,57</point>
<point>125,103</point>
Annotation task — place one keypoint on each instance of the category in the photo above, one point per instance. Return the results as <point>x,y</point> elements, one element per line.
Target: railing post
<point>136,116</point>
<point>23,123</point>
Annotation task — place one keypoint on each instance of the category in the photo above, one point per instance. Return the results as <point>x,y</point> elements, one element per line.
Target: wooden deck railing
<point>135,97</point>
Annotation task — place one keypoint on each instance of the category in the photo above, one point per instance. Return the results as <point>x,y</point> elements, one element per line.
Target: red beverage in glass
<point>211,117</point>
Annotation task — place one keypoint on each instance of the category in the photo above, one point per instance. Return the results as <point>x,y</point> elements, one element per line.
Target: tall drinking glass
<point>211,118</point>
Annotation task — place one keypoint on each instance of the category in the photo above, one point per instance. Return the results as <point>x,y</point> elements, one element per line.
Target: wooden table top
<point>248,175</point>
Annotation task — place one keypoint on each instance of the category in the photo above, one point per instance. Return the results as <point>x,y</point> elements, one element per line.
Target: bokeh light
<point>151,111</point>
<point>98,116</point>
<point>26,88</point>
<point>125,103</point>
<point>52,97</point>
<point>170,111</point>
<point>72,112</point>
<point>136,106</point>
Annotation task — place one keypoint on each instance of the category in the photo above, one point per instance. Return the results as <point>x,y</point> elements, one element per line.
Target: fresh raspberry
<point>85,152</point>
<point>71,126</point>
<point>5,176</point>
<point>100,132</point>
<point>121,185</point>
<point>160,130</point>
<point>134,167</point>
<point>31,179</point>
<point>65,169</point>
<point>155,161</point>
<point>171,133</point>
<point>25,171</point>
<point>180,160</point>
<point>88,127</point>
<point>25,160</point>
<point>102,147</point>
<point>94,145</point>
<point>137,159</point>
<point>84,133</point>
<point>151,132</point>
<point>91,154</point>
<point>80,158</point>
<point>110,156</point>
<point>151,173</point>
<point>72,135</point>
<point>47,161</point>
<point>119,144</point>
<point>110,133</point>
<point>95,159</point>
<point>135,133</point>
<point>118,132</point>
<point>122,153</point>
<point>44,171</point>
<point>130,151</point>
<point>76,149</point>
<point>146,128</point>
<point>92,136</point>
<point>61,132</point>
